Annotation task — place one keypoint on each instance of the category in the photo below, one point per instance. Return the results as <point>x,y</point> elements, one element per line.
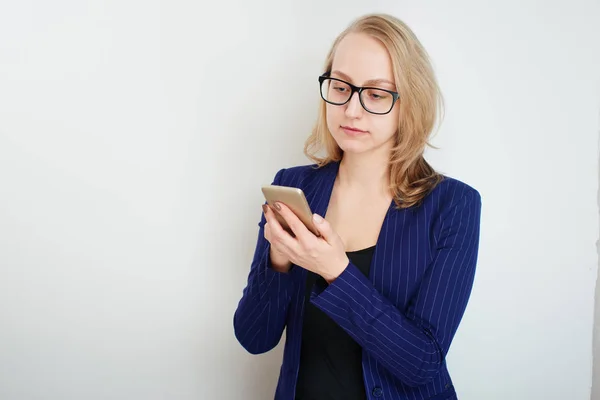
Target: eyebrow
<point>369,82</point>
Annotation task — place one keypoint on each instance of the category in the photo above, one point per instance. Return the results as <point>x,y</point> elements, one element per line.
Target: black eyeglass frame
<point>358,90</point>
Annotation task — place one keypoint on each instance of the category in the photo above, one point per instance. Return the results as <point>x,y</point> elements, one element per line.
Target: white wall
<point>134,137</point>
<point>596,331</point>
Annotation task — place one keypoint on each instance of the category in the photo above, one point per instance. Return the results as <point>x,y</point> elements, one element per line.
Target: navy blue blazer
<point>403,315</point>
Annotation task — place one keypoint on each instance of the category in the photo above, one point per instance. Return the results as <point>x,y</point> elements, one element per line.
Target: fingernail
<point>277,206</point>
<point>318,219</point>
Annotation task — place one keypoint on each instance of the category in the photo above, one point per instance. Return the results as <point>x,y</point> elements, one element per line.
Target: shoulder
<point>451,191</point>
<point>300,175</point>
<point>450,202</point>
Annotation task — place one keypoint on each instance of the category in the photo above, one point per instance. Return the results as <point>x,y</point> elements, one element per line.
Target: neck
<point>365,172</point>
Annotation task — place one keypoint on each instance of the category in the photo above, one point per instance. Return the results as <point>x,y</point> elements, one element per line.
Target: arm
<point>261,312</point>
<point>413,345</point>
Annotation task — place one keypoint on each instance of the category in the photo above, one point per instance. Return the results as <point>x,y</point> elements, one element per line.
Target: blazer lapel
<point>382,257</point>
<point>318,190</point>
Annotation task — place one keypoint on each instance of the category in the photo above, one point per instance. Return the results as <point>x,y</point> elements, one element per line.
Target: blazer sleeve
<point>413,344</point>
<point>260,316</point>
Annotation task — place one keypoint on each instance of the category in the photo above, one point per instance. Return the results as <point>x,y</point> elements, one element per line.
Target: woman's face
<point>362,61</point>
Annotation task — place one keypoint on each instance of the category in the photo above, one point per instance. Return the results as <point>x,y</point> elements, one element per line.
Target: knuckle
<point>309,245</point>
<point>311,249</point>
<point>277,239</point>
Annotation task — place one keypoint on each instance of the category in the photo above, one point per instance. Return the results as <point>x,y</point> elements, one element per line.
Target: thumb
<point>324,228</point>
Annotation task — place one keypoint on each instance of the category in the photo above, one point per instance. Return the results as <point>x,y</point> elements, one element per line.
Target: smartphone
<point>295,200</point>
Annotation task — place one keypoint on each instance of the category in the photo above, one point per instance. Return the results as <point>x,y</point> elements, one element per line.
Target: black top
<point>330,360</point>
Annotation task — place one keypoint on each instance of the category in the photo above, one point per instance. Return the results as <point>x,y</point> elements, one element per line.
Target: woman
<point>371,306</point>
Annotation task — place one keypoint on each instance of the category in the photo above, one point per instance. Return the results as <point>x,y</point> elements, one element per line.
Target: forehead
<point>362,58</point>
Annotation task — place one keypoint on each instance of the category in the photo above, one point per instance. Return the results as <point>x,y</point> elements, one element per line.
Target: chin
<point>352,146</point>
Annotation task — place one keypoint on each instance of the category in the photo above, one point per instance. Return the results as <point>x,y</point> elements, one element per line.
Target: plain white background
<point>135,135</point>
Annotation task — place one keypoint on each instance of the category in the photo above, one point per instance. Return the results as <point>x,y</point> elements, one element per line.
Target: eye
<point>378,96</point>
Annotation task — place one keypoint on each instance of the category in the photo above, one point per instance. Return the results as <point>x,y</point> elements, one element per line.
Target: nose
<point>353,107</point>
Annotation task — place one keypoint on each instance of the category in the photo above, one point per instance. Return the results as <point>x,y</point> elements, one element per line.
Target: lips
<point>353,132</point>
<point>349,128</point>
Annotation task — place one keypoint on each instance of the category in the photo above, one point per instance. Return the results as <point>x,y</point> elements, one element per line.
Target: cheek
<point>385,128</point>
<point>333,117</point>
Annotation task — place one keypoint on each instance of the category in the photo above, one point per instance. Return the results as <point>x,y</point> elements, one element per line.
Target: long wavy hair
<point>421,106</point>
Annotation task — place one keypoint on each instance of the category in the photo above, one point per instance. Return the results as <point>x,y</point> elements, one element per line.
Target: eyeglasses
<point>374,100</point>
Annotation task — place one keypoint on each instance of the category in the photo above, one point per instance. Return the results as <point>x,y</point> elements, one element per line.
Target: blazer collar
<point>323,187</point>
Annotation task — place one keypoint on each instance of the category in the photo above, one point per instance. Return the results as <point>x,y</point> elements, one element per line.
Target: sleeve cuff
<point>338,292</point>
<point>270,272</point>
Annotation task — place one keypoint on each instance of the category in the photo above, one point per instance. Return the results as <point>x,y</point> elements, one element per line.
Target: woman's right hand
<point>279,261</point>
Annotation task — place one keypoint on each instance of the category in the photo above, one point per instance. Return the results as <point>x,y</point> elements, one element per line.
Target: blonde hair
<point>411,177</point>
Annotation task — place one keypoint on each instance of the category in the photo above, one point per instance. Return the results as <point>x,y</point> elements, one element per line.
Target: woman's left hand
<point>323,255</point>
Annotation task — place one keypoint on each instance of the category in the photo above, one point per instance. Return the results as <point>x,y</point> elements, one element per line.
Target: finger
<point>268,235</point>
<point>278,234</point>
<point>267,226</point>
<point>325,229</point>
<point>270,217</point>
<point>274,218</point>
<point>296,225</point>
<point>265,208</point>
<point>267,232</point>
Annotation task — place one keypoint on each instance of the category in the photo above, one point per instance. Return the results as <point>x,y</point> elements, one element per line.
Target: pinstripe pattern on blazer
<point>404,314</point>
